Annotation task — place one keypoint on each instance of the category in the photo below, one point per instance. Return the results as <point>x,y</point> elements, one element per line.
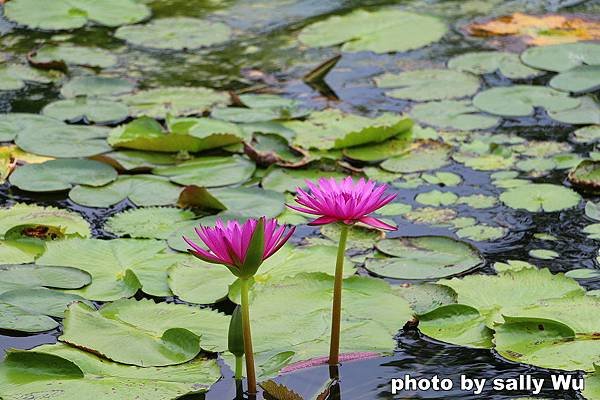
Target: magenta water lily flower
<point>347,203</point>
<point>242,248</point>
<point>344,201</point>
<point>229,244</point>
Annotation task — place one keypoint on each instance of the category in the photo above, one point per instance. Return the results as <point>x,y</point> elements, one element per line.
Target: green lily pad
<point>174,101</point>
<point>583,273</point>
<point>138,161</point>
<point>436,198</point>
<point>543,254</point>
<point>333,129</point>
<point>582,79</point>
<point>478,201</point>
<point>380,151</point>
<point>64,54</point>
<point>71,14</point>
<point>32,276</point>
<point>30,309</point>
<point>423,257</point>
<point>431,216</point>
<point>481,232</point>
<point>556,334</point>
<point>12,124</point>
<point>592,385</point>
<point>176,33</point>
<point>69,371</point>
<point>196,281</point>
<point>63,141</point>
<point>428,84</point>
<point>425,297</point>
<point>586,175</point>
<point>288,180</point>
<point>22,215</point>
<point>512,265</point>
<point>156,334</point>
<point>94,86</point>
<point>491,295</point>
<point>442,178</point>
<point>537,197</point>
<point>592,231</point>
<point>381,31</point>
<point>20,251</point>
<point>588,112</point>
<point>394,209</point>
<point>587,134</point>
<point>16,76</point>
<point>452,114</point>
<point>485,162</point>
<point>56,175</point>
<point>119,267</point>
<point>359,237</point>
<point>457,324</point>
<point>148,223</point>
<point>520,100</point>
<point>562,57</point>
<point>142,190</point>
<point>209,171</point>
<point>89,110</point>
<point>425,156</point>
<point>488,62</point>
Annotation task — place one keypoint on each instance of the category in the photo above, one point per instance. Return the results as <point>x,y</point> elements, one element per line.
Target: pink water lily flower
<point>344,201</point>
<point>230,243</point>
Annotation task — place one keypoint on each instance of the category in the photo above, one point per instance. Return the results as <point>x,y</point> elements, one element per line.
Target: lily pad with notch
<point>453,114</point>
<point>488,62</point>
<point>537,197</point>
<point>63,55</point>
<point>210,171</point>
<point>89,110</point>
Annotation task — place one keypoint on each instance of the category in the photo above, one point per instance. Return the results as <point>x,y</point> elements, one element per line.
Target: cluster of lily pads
<point>161,161</point>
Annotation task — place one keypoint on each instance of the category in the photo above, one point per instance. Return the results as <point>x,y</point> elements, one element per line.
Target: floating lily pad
<point>334,129</point>
<point>138,161</point>
<point>12,124</point>
<point>56,175</point>
<point>14,277</point>
<point>512,265</point>
<point>148,223</point>
<point>425,156</point>
<point>592,385</point>
<point>520,100</point>
<point>491,295</point>
<point>381,31</point>
<point>588,112</point>
<point>478,201</point>
<point>452,114</point>
<point>93,86</point>
<point>15,76</point>
<point>119,267</point>
<point>592,210</point>
<point>436,198</point>
<point>583,273</point>
<point>30,309</point>
<point>74,371</point>
<point>557,334</point>
<point>71,14</point>
<point>142,190</point>
<point>89,110</point>
<point>176,33</point>
<point>424,296</point>
<point>587,134</point>
<point>288,180</point>
<point>423,257</point>
<point>20,251</point>
<point>481,232</point>
<point>209,171</point>
<point>457,324</point>
<point>431,215</point>
<point>488,62</point>
<point>442,178</point>
<point>380,151</point>
<point>485,162</point>
<point>543,254</point>
<point>586,175</point>
<point>31,216</point>
<point>428,84</point>
<point>63,141</point>
<point>582,79</point>
<point>562,57</point>
<point>163,334</point>
<point>63,55</point>
<point>174,101</point>
<point>538,197</point>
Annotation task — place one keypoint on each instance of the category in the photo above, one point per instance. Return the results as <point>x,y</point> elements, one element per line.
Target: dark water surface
<point>264,54</point>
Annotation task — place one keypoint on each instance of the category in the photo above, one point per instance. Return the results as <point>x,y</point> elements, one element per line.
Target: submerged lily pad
<point>148,223</point>
<point>487,62</point>
<point>71,14</point>
<point>452,114</point>
<point>209,171</point>
<point>74,371</point>
<point>174,101</point>
<point>428,84</point>
<point>562,57</point>
<point>381,31</point>
<point>142,190</point>
<point>119,267</point>
<point>537,197</point>
<point>63,55</point>
<point>55,175</point>
<point>423,257</point>
<point>89,110</point>
<point>176,33</point>
<point>520,100</point>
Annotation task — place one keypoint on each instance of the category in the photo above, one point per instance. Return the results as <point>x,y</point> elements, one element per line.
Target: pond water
<point>265,56</point>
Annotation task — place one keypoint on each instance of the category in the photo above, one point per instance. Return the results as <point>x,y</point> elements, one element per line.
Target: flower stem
<point>238,367</point>
<point>248,352</point>
<point>336,314</point>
